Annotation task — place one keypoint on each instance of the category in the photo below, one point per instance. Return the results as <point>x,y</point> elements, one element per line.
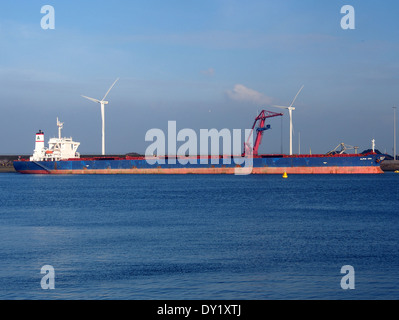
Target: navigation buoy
<point>285,175</point>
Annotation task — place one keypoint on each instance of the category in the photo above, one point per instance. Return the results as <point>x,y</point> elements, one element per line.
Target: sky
<point>204,64</point>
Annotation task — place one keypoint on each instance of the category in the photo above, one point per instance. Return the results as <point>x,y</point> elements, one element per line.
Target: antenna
<point>102,103</point>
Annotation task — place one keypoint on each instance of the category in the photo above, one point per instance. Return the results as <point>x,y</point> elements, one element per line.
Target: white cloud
<point>209,72</point>
<point>244,94</point>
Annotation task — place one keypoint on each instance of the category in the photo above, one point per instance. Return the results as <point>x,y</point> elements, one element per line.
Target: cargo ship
<point>61,157</point>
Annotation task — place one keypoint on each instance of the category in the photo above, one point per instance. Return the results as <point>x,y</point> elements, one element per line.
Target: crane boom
<point>261,129</point>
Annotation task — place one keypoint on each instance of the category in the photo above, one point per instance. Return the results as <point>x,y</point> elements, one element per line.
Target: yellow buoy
<point>397,171</point>
<point>285,175</point>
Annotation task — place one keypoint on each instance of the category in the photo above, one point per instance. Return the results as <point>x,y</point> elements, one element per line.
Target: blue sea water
<point>199,236</point>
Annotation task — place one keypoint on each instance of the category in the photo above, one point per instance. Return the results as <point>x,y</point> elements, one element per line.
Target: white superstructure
<point>58,148</point>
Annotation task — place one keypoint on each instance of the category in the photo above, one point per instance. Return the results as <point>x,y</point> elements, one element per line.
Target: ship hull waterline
<point>369,164</point>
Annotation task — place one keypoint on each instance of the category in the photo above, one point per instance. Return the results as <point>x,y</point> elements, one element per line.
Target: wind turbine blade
<point>280,107</point>
<point>296,96</point>
<point>110,89</point>
<point>92,99</point>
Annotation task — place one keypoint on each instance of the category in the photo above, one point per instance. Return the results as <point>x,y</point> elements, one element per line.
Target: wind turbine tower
<point>394,133</point>
<point>102,103</point>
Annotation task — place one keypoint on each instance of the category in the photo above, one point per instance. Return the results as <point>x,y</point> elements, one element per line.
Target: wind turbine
<point>102,103</point>
<point>290,109</point>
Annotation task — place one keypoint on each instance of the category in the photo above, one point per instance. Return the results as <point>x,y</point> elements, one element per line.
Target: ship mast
<point>60,126</point>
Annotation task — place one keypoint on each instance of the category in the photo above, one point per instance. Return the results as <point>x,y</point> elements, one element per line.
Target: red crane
<point>259,131</point>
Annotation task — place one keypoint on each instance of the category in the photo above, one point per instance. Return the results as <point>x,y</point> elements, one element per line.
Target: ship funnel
<point>39,146</point>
